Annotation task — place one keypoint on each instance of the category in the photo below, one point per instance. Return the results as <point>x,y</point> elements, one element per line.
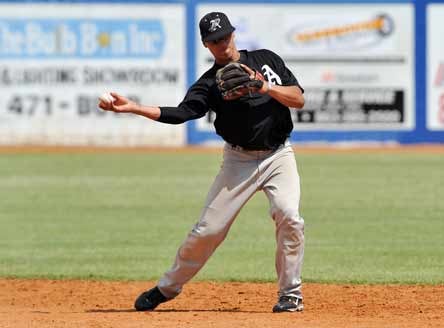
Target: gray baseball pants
<point>242,174</point>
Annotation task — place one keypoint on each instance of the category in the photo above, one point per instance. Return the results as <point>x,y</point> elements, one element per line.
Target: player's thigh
<point>282,185</point>
<point>231,189</point>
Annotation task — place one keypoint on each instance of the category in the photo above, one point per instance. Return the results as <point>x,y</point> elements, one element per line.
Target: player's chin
<point>225,57</point>
<point>227,53</point>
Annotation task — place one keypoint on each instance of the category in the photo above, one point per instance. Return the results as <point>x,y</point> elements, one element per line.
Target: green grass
<point>370,218</point>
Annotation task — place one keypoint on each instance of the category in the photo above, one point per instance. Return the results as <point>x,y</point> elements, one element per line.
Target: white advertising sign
<point>355,61</point>
<point>435,67</point>
<point>56,59</point>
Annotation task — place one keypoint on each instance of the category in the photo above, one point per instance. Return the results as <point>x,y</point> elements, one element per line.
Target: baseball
<point>107,98</point>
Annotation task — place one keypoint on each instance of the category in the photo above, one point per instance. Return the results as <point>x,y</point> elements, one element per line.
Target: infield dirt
<point>69,303</point>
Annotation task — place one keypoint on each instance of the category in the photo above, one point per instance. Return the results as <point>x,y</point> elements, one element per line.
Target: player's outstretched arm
<point>121,104</point>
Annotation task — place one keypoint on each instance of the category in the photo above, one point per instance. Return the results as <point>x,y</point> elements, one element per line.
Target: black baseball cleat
<point>149,300</point>
<point>289,304</point>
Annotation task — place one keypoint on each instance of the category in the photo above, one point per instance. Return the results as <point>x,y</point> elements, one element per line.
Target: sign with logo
<point>56,59</point>
<point>435,67</point>
<point>81,38</point>
<point>355,62</point>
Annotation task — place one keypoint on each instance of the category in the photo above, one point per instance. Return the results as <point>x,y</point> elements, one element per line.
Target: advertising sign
<point>56,59</point>
<point>435,67</point>
<point>355,61</point>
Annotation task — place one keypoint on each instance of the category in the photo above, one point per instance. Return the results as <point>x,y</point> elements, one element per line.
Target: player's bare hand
<point>256,75</point>
<point>119,104</point>
<point>248,70</point>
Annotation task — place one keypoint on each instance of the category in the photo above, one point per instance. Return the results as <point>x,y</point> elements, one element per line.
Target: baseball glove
<point>235,80</point>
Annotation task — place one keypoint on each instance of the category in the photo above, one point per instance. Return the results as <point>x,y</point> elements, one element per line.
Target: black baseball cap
<point>214,25</point>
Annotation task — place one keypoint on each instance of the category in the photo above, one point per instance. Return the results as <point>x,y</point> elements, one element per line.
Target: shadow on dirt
<point>233,310</point>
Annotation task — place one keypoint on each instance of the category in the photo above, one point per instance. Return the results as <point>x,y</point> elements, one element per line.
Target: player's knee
<point>288,217</point>
<point>200,244</point>
<point>289,214</point>
<point>203,230</point>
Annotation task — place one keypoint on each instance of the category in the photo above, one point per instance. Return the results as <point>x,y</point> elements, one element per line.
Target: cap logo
<point>214,24</point>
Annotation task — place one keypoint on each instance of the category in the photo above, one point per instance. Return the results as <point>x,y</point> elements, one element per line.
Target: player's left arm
<point>290,96</point>
<point>288,92</point>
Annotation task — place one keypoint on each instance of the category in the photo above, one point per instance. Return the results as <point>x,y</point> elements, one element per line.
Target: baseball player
<point>251,98</point>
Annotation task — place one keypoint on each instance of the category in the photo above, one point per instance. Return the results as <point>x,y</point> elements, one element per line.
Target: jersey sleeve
<point>284,72</point>
<point>193,106</point>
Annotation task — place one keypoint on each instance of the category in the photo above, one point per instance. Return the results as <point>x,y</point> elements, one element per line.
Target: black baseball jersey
<point>253,121</point>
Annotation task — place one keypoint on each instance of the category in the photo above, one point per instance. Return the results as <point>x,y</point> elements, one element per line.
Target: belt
<point>240,148</point>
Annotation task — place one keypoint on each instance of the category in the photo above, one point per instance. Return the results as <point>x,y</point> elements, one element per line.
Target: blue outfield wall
<point>417,132</point>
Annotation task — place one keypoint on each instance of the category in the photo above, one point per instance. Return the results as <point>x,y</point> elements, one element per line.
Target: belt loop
<point>235,147</point>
